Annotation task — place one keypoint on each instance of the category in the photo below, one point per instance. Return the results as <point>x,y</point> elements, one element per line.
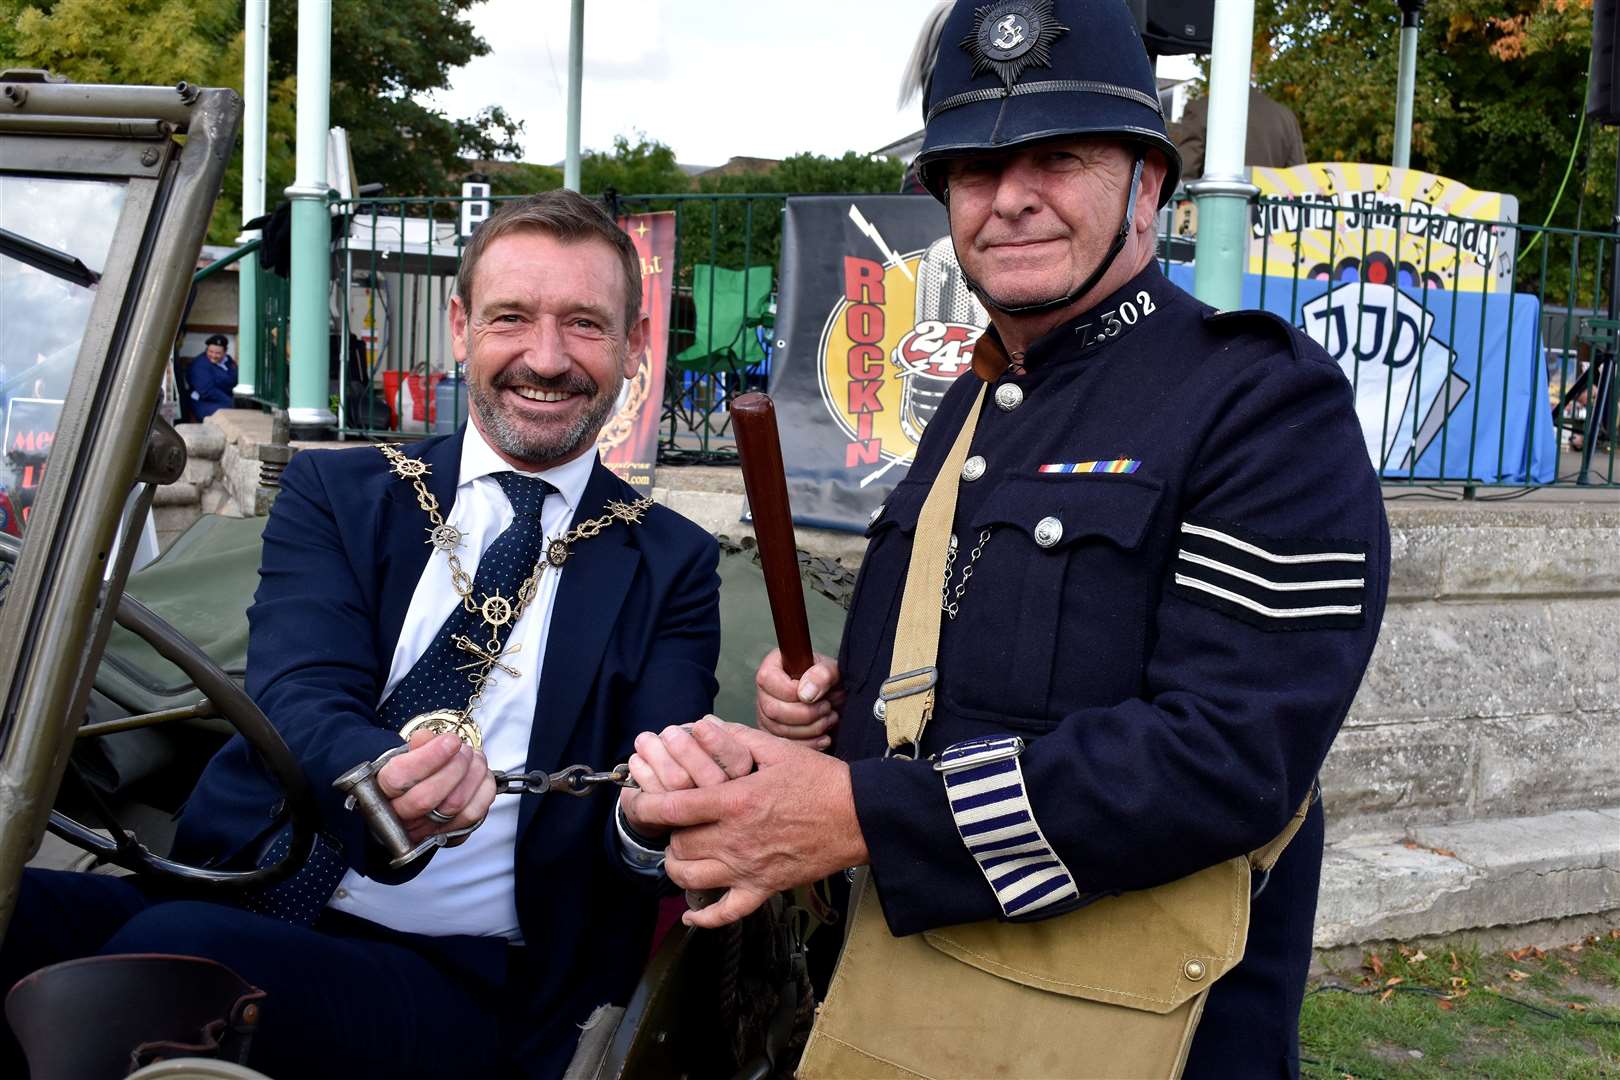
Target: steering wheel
<point>230,702</point>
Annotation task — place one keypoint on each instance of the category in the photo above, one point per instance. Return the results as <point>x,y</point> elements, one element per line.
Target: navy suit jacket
<point>634,639</point>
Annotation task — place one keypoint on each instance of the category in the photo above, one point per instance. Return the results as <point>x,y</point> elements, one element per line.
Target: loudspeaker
<point>1603,98</point>
<point>1174,27</point>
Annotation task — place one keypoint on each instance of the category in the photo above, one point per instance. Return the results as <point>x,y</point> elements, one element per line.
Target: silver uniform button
<point>875,514</point>
<point>1009,396</point>
<point>1048,531</point>
<point>973,468</point>
<point>880,709</point>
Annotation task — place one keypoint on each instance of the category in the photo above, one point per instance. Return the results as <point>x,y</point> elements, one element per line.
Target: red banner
<point>629,442</point>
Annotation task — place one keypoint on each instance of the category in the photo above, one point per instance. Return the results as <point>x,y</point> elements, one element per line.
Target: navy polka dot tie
<point>432,683</point>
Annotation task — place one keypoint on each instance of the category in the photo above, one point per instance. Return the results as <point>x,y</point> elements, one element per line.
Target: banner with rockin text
<point>874,323</point>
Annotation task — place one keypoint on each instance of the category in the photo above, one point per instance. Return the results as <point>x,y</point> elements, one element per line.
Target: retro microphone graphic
<point>943,297</point>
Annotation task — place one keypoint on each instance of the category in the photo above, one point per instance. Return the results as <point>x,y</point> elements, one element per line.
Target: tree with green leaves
<point>1499,98</point>
<point>387,55</point>
<point>816,174</point>
<point>643,167</point>
<point>119,41</point>
<point>735,236</point>
<point>729,233</point>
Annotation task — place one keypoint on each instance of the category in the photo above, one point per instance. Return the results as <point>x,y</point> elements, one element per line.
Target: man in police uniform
<point>1170,561</point>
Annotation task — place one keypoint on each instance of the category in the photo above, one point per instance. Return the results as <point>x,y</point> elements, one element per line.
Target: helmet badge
<point>1012,36</point>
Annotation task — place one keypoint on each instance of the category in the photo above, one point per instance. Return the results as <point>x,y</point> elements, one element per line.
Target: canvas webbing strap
<point>908,693</point>
<point>1263,859</point>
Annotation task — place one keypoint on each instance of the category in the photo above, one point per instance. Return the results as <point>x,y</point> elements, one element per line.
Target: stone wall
<point>1495,687</point>
<point>222,473</point>
<point>1475,786</point>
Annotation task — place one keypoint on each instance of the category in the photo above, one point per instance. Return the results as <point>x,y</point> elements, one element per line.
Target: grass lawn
<point>1446,1012</point>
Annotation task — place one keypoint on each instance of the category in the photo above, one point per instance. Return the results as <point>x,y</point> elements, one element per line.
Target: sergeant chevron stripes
<point>985,785</point>
<point>1254,549</point>
<point>1275,613</point>
<point>1273,584</point>
<point>1266,583</point>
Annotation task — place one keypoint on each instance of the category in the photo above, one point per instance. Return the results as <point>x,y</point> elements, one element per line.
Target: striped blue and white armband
<point>985,785</point>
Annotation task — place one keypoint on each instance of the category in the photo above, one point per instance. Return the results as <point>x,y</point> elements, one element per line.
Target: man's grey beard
<point>512,440</point>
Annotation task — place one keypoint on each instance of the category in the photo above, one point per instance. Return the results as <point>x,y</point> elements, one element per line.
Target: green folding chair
<point>728,305</point>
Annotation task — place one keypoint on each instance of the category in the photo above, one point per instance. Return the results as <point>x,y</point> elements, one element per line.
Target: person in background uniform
<point>211,376</point>
<point>1171,561</point>
<point>491,956</point>
<point>1274,139</point>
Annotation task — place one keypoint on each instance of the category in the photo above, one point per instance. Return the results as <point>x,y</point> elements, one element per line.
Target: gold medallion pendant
<point>444,722</point>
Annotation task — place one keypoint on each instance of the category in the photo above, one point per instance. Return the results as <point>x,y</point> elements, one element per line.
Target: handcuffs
<point>361,791</point>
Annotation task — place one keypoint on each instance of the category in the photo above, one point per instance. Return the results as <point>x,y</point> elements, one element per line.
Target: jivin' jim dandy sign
<point>1382,225</point>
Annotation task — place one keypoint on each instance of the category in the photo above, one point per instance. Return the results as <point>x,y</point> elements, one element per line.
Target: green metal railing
<point>394,266</point>
<point>235,256</point>
<point>275,304</point>
<point>1508,386</point>
<point>270,369</point>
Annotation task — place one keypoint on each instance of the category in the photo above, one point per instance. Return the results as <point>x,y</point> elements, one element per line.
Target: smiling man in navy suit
<point>547,620</point>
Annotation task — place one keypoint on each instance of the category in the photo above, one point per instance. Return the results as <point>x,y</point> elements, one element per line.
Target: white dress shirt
<point>469,889</point>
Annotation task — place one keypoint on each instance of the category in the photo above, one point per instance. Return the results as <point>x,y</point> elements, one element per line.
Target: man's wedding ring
<point>442,818</point>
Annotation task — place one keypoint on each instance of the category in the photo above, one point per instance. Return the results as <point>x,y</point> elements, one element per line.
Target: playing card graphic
<point>1404,383</point>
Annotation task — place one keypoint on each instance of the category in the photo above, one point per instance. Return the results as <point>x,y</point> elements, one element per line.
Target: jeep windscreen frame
<point>68,576</point>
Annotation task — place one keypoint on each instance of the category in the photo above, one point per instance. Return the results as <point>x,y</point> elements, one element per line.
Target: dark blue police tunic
<point>1181,565</point>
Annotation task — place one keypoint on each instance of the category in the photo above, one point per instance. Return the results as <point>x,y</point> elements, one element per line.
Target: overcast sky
<point>712,78</point>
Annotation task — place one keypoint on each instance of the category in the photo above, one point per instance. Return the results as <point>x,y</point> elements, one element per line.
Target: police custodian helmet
<point>1020,71</point>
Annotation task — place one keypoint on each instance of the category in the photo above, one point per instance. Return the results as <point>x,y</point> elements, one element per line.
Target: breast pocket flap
<point>1059,511</point>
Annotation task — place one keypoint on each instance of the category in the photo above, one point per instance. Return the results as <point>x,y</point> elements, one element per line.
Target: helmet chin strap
<point>1085,286</point>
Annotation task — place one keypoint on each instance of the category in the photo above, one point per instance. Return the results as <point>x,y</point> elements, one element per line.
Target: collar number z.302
<point>1110,324</point>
